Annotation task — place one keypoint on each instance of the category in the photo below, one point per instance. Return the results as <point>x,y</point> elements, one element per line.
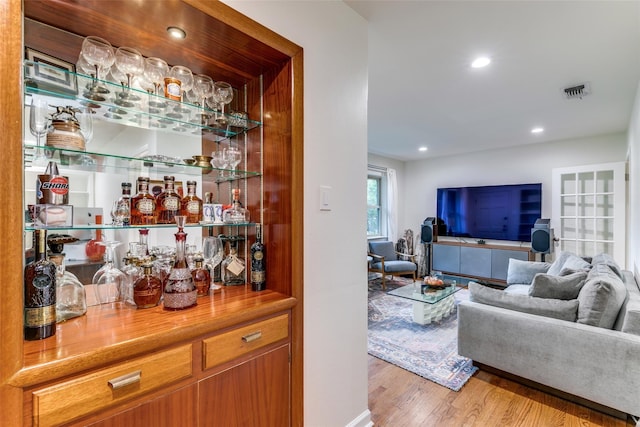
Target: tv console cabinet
<point>480,261</point>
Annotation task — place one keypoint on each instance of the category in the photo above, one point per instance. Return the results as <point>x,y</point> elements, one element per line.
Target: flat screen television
<point>497,212</point>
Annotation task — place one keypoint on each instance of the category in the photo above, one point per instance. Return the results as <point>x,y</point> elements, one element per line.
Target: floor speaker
<point>542,240</point>
<point>428,233</point>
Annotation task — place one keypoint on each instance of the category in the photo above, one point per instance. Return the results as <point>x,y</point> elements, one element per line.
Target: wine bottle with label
<point>40,293</point>
<point>258,272</point>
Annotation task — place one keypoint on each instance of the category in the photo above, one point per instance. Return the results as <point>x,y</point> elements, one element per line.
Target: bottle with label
<point>40,293</point>
<point>191,204</point>
<point>95,247</point>
<point>143,204</point>
<point>233,266</point>
<point>147,290</point>
<point>236,214</point>
<point>179,290</point>
<point>121,213</point>
<point>258,271</point>
<point>168,202</point>
<point>71,299</point>
<point>201,277</point>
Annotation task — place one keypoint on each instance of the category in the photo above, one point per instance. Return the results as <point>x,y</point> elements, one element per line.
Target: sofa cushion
<point>558,309</point>
<point>567,260</point>
<point>395,266</point>
<point>522,272</point>
<point>629,316</point>
<point>601,297</point>
<point>557,287</point>
<point>607,260</point>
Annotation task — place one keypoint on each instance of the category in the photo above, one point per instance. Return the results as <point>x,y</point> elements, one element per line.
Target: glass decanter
<point>179,290</point>
<point>233,266</point>
<point>109,281</point>
<point>147,290</point>
<point>133,272</point>
<point>71,299</point>
<point>236,214</point>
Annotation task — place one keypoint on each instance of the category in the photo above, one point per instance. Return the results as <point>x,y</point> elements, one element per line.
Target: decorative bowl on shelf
<point>189,161</point>
<point>203,162</point>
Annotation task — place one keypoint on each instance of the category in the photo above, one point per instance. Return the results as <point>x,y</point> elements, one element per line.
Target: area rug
<point>430,351</point>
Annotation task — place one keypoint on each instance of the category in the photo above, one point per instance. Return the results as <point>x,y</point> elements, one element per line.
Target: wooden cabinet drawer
<point>81,396</point>
<point>229,345</point>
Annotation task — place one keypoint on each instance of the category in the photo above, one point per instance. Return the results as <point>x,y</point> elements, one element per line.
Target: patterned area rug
<point>430,351</point>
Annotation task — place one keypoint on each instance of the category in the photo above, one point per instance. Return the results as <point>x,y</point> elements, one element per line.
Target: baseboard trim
<point>362,420</point>
<point>561,394</point>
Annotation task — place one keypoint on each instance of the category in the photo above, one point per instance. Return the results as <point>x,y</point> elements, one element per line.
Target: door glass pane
<point>568,207</point>
<point>604,229</point>
<point>585,248</point>
<point>568,226</point>
<point>586,229</point>
<point>568,246</point>
<point>606,247</point>
<point>604,181</point>
<point>586,206</point>
<point>604,205</point>
<point>586,182</point>
<point>568,183</point>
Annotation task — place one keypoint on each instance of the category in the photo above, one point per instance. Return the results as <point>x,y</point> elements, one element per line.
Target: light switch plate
<point>325,198</point>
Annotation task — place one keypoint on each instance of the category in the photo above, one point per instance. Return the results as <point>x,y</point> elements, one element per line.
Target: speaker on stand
<point>428,235</point>
<point>542,237</point>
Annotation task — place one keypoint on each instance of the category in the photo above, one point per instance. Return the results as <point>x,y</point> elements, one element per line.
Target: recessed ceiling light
<point>537,130</point>
<point>176,33</point>
<point>480,62</point>
<point>422,149</point>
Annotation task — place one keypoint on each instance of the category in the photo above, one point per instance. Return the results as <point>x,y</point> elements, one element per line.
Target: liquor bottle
<point>258,271</point>
<point>147,290</point>
<point>201,278</point>
<point>40,293</point>
<point>122,207</point>
<point>233,267</point>
<point>179,289</point>
<point>95,247</point>
<point>143,204</point>
<point>168,202</point>
<point>191,204</point>
<point>71,299</point>
<point>236,214</point>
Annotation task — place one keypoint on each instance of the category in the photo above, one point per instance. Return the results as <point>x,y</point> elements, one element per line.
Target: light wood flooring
<point>398,398</point>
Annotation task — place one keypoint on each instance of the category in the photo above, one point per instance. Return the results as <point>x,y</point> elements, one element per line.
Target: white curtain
<point>392,205</point>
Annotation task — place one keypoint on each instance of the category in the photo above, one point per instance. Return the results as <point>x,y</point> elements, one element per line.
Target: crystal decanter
<point>179,290</point>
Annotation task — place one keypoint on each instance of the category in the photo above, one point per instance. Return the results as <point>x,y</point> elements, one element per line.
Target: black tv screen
<point>498,212</point>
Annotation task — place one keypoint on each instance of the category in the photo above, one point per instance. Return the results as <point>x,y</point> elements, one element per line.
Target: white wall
<point>633,215</point>
<point>334,39</point>
<point>523,164</point>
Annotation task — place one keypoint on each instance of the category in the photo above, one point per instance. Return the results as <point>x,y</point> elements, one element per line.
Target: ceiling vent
<point>577,91</point>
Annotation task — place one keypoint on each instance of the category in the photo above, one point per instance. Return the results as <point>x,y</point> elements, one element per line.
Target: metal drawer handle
<point>125,380</point>
<point>252,336</point>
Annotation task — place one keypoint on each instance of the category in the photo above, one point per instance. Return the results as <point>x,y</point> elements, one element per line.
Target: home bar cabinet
<point>235,358</point>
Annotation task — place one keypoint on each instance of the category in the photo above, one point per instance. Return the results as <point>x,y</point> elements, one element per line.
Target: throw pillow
<point>555,308</point>
<point>601,297</point>
<point>607,260</point>
<point>567,260</point>
<point>522,272</point>
<point>557,287</point>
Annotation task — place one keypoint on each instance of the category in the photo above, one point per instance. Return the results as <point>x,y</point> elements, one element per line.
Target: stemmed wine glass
<point>155,69</point>
<point>85,120</point>
<point>213,252</point>
<point>203,88</point>
<point>219,161</point>
<point>130,62</point>
<point>223,95</point>
<point>234,156</point>
<point>110,283</point>
<point>39,126</point>
<point>99,53</point>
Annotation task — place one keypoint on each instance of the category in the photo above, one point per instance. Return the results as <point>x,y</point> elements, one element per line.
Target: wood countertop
<point>106,335</point>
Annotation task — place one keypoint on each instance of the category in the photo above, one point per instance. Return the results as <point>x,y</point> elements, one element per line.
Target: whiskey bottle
<point>143,204</point>
<point>201,278</point>
<point>191,204</point>
<point>168,202</point>
<point>40,293</point>
<point>122,208</point>
<point>147,290</point>
<point>233,267</point>
<point>258,272</point>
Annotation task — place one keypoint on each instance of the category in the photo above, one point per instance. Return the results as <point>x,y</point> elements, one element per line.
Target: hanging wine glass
<point>223,95</point>
<point>213,252</point>
<point>109,282</point>
<point>130,62</point>
<point>99,53</point>
<point>39,126</point>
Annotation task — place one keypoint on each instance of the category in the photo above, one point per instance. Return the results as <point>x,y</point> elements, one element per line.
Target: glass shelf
<point>149,112</point>
<point>31,227</point>
<point>100,162</point>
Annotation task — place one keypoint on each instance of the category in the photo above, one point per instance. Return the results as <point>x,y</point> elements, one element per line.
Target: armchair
<point>386,261</point>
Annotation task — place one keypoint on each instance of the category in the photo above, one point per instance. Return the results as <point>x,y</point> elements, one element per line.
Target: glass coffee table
<point>429,305</point>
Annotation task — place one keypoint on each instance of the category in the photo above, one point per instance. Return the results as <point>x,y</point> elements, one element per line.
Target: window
<point>375,208</point>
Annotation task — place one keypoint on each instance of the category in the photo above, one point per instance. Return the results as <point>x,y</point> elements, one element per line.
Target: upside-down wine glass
<point>213,252</point>
<point>39,127</point>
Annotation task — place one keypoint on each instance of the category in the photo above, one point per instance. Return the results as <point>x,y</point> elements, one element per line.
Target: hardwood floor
<point>398,398</point>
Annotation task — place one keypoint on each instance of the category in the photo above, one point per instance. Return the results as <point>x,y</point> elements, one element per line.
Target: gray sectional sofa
<point>572,325</point>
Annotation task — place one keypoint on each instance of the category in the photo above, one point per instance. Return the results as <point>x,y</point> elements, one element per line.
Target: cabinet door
<point>446,258</point>
<point>475,261</point>
<point>255,393</point>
